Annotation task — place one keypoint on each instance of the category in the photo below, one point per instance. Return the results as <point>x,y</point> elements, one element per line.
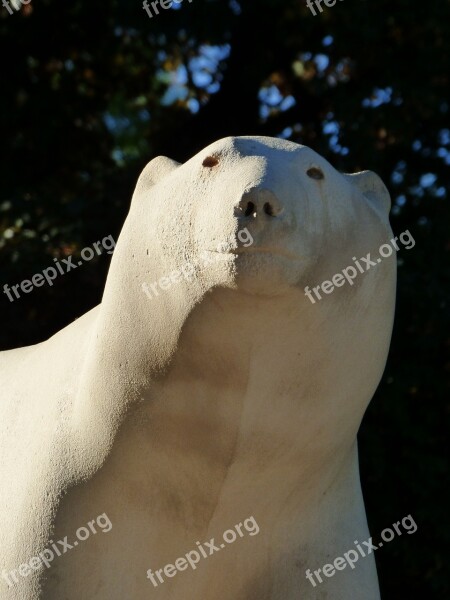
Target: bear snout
<point>258,203</point>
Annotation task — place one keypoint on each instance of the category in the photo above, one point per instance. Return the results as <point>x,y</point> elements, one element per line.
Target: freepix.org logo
<point>188,270</point>
<point>164,4</point>
<point>60,268</point>
<point>361,265</point>
<point>318,4</point>
<point>351,557</point>
<point>16,4</point>
<point>45,558</point>
<point>204,550</point>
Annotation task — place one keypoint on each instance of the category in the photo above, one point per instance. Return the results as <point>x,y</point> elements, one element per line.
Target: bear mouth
<point>267,250</point>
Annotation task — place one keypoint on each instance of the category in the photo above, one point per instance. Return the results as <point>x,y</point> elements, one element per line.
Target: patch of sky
<point>379,96</point>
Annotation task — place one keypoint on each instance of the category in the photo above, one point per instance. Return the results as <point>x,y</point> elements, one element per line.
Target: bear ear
<point>372,187</point>
<point>154,171</point>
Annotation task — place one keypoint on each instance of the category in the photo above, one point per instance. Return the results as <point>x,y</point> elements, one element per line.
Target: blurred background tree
<point>92,91</point>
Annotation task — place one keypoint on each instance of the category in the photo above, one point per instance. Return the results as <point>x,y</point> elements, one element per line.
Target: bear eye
<point>315,173</point>
<point>210,161</point>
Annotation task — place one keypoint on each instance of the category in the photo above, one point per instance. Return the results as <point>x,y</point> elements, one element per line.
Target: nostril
<point>258,202</point>
<point>268,209</point>
<point>250,209</point>
<point>210,162</point>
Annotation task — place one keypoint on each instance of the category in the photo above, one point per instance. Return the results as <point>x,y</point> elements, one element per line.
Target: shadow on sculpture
<point>229,395</point>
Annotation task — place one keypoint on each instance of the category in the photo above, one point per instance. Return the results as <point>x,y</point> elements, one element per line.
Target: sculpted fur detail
<point>230,395</point>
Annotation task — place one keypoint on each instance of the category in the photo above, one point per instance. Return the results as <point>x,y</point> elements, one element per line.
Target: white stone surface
<point>228,396</point>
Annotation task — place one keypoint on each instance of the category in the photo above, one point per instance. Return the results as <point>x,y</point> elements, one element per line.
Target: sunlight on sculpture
<point>229,395</point>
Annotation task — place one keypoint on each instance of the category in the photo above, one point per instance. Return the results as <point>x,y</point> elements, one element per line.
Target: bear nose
<point>257,203</point>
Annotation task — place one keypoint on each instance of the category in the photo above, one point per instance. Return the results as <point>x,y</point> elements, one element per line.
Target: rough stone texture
<point>226,396</point>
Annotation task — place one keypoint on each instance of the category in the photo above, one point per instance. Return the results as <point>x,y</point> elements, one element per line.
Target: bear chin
<point>267,274</point>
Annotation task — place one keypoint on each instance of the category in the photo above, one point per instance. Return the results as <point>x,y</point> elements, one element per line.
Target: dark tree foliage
<point>93,90</point>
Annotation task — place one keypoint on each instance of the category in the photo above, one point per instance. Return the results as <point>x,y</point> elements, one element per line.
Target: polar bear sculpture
<point>211,390</point>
